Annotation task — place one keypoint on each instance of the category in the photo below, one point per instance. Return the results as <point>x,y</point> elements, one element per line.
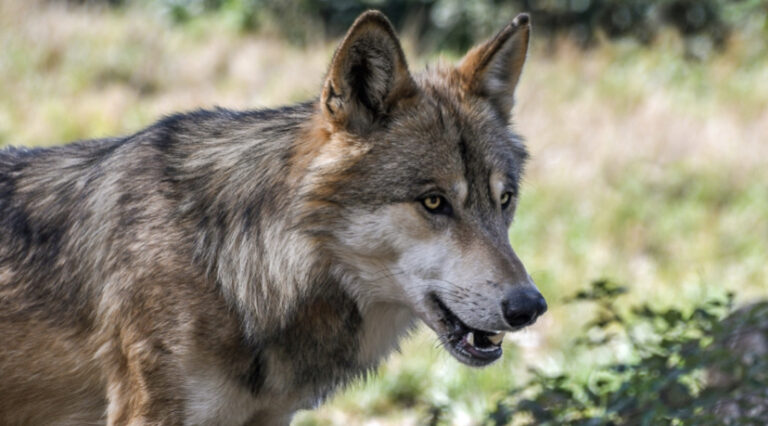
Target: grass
<point>647,169</point>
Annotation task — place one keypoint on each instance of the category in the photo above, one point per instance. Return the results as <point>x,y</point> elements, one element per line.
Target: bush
<point>456,24</point>
<point>690,368</point>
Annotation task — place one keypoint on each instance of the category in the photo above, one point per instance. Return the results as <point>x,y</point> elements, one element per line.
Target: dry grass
<point>646,169</point>
<point>83,73</point>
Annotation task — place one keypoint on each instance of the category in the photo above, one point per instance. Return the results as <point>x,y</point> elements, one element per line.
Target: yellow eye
<point>436,204</point>
<point>432,202</point>
<point>505,199</point>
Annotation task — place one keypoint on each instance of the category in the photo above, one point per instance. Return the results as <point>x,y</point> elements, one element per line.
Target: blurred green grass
<point>647,169</point>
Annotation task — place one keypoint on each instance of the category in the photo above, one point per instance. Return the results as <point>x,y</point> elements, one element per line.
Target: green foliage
<point>455,24</point>
<point>683,368</point>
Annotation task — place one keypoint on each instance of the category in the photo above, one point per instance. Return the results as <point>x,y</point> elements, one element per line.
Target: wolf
<point>230,268</point>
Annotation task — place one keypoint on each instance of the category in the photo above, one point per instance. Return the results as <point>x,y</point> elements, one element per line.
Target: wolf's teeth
<point>471,338</point>
<point>496,338</point>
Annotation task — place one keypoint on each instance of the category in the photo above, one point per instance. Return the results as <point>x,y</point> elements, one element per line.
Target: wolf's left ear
<point>493,68</point>
<point>368,75</point>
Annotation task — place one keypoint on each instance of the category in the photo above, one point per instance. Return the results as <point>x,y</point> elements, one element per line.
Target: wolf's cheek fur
<point>429,262</point>
<point>378,247</point>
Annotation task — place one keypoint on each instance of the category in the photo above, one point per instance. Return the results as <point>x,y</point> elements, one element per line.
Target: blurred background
<point>643,218</point>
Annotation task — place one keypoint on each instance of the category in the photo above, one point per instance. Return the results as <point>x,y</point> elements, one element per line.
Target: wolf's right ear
<point>368,75</point>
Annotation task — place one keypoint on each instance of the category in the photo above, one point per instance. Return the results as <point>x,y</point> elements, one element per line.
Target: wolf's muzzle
<point>522,305</point>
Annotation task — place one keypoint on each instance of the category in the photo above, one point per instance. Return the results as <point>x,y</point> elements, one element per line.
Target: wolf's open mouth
<point>469,345</point>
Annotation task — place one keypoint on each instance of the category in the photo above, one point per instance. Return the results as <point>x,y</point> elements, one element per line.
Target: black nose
<point>522,305</point>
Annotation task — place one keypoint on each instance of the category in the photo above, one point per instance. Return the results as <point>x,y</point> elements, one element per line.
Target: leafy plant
<point>688,367</point>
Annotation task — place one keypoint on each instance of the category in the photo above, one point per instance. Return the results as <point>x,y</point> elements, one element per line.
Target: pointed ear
<point>493,68</point>
<point>368,75</point>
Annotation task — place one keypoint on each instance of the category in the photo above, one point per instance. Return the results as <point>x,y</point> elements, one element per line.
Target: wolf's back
<point>56,206</point>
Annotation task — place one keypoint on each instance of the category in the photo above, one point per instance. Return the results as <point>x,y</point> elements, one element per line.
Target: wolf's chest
<point>328,343</point>
<point>331,343</point>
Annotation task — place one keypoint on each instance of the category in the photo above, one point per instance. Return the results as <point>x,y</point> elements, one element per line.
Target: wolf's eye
<point>506,198</point>
<point>436,204</point>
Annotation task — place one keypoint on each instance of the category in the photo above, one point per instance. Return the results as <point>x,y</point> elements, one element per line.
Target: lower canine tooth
<point>471,338</point>
<point>496,338</point>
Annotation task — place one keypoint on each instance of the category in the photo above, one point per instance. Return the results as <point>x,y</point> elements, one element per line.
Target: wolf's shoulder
<point>211,119</point>
<point>17,157</point>
<point>12,155</point>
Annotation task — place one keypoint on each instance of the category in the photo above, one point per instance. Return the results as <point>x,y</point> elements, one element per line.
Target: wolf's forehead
<point>471,137</point>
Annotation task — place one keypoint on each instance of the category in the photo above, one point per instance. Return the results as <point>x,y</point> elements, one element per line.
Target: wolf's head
<point>417,180</point>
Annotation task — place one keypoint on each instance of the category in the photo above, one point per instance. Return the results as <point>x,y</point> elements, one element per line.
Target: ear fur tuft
<point>367,76</point>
